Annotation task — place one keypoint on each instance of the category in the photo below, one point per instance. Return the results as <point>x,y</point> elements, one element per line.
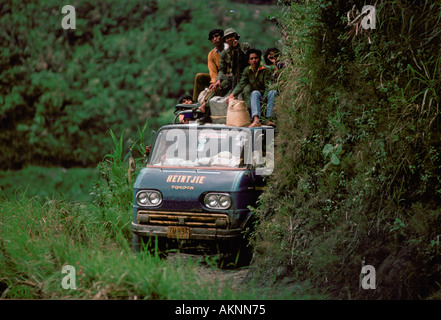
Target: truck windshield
<point>202,147</point>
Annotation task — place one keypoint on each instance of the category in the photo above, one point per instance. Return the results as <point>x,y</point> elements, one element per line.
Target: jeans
<point>256,100</point>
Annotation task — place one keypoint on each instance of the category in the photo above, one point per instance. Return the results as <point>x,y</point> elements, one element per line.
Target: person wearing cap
<point>203,80</point>
<point>232,62</point>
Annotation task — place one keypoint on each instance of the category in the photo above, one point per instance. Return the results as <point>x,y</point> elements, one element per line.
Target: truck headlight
<point>217,200</point>
<point>225,201</point>
<point>148,198</point>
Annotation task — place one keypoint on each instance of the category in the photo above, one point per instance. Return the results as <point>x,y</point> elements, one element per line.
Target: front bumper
<point>195,233</point>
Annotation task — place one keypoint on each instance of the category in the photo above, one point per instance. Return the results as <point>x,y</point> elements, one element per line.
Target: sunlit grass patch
<point>37,239</point>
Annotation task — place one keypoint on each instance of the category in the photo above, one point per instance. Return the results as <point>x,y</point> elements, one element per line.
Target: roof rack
<point>190,111</point>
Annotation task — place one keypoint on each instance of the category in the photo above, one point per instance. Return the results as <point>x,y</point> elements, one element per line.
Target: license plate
<point>178,232</point>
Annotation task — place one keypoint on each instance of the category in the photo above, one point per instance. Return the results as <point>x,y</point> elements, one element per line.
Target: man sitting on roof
<point>258,78</point>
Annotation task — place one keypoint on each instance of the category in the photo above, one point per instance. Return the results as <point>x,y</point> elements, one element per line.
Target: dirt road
<point>210,272</point>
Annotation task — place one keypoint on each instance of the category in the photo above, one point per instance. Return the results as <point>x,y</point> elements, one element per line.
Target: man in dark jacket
<point>232,63</point>
<point>257,77</point>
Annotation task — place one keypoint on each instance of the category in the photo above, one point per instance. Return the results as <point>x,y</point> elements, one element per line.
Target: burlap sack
<point>238,114</point>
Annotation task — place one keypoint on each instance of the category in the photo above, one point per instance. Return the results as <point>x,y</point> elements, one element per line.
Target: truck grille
<point>187,219</point>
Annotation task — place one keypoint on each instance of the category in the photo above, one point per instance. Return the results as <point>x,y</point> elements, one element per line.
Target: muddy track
<point>211,273</point>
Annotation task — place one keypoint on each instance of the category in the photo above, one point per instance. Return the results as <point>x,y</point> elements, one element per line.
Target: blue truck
<point>198,184</point>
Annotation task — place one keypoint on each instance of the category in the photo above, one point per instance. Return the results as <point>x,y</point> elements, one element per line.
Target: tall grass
<point>72,184</point>
<point>38,239</point>
<point>40,235</point>
<point>357,177</point>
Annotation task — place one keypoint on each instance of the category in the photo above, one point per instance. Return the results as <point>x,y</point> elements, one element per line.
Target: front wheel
<point>136,243</point>
<point>235,253</point>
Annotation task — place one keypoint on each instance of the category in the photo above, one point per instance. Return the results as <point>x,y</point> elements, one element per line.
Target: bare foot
<point>255,124</point>
<point>270,123</point>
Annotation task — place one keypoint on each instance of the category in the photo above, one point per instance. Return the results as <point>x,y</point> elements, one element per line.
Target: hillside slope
<point>358,175</point>
<point>126,62</point>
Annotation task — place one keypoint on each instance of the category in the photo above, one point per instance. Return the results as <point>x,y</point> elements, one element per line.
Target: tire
<point>136,243</point>
<point>235,253</point>
<point>243,254</point>
<point>243,251</point>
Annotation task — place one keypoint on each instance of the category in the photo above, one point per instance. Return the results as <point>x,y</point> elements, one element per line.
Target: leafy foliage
<point>357,178</point>
<point>114,187</point>
<point>72,184</point>
<point>61,90</point>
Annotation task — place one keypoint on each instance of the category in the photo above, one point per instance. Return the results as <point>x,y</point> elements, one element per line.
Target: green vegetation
<point>61,93</point>
<point>38,239</point>
<point>72,184</point>
<point>126,61</point>
<point>358,174</point>
<point>358,162</point>
<point>39,236</point>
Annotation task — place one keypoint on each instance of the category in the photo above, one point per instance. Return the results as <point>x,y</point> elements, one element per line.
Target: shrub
<point>357,176</point>
<point>61,90</point>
